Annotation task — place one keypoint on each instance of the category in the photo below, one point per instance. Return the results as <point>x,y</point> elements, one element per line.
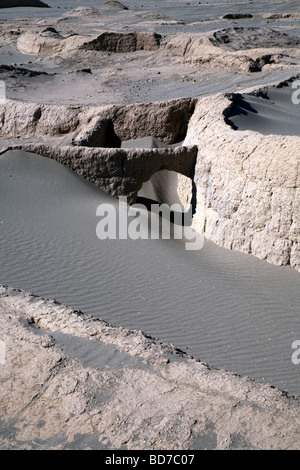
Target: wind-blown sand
<point>268,113</point>
<point>226,308</point>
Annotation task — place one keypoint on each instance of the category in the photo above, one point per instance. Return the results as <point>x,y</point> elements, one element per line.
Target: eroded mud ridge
<point>92,58</point>
<point>243,202</point>
<point>82,383</point>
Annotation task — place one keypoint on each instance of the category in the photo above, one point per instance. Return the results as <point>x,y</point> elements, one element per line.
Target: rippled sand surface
<point>271,113</point>
<point>226,308</point>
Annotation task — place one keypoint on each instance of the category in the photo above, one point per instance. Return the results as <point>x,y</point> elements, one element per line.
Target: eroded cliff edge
<point>247,183</point>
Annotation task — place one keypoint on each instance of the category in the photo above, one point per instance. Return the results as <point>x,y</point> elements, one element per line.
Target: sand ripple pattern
<point>226,308</point>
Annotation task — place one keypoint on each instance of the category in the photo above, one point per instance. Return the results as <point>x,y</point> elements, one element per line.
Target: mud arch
<point>119,172</point>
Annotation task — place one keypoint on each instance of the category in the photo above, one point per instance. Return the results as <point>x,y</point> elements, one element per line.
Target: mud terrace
<point>133,392</point>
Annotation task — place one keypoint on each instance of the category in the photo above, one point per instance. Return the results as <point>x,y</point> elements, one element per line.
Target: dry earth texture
<point>131,392</point>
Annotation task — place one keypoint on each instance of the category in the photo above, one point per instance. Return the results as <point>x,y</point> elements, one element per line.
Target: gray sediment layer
<point>22,3</point>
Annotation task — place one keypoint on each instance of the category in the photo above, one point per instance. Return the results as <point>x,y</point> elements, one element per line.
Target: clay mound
<point>124,42</point>
<point>199,50</point>
<point>282,16</point>
<point>22,3</point>
<point>113,4</point>
<point>51,33</point>
<point>149,15</point>
<point>237,16</point>
<point>47,42</point>
<point>241,38</point>
<point>83,11</point>
<point>50,42</point>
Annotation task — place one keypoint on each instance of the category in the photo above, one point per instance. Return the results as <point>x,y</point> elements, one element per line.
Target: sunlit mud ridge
<point>250,184</point>
<point>241,49</point>
<point>88,140</point>
<point>247,183</point>
<point>102,126</point>
<point>138,393</point>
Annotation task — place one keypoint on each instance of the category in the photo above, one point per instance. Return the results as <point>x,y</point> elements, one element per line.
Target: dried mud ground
<point>80,383</point>
<point>200,52</point>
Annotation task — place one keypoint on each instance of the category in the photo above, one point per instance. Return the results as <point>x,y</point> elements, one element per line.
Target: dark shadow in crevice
<point>194,197</point>
<point>239,107</point>
<point>183,219</point>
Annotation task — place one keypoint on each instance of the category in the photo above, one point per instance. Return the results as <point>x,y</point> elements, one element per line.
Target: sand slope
<point>268,112</point>
<point>224,307</point>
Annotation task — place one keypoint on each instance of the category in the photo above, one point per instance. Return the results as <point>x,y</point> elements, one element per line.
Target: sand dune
<point>268,112</point>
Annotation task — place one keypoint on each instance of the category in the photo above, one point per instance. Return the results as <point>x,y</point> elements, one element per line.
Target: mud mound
<point>282,16</point>
<point>240,38</point>
<point>237,16</point>
<point>113,4</point>
<point>83,11</point>
<point>47,42</point>
<point>124,42</point>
